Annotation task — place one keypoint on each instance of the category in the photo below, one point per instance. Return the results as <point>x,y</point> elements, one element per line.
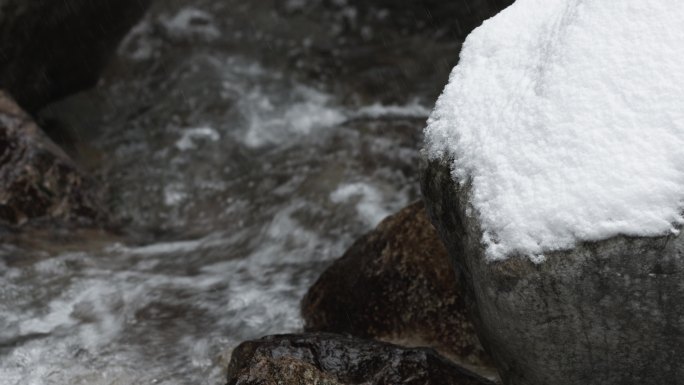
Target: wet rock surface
<point>50,49</point>
<point>282,370</point>
<point>396,284</point>
<point>329,359</point>
<point>38,181</point>
<point>605,312</point>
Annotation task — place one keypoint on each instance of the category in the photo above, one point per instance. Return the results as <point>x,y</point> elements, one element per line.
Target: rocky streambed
<point>235,149</point>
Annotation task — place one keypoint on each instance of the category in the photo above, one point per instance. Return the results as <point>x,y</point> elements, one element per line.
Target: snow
<point>566,119</point>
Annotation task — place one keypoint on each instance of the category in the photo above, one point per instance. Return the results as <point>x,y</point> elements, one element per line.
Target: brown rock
<point>37,179</point>
<point>329,359</point>
<point>395,284</point>
<point>266,370</point>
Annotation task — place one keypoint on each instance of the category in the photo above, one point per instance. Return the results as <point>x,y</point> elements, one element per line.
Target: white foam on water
<point>133,314</point>
<point>271,121</point>
<point>414,109</point>
<point>191,136</point>
<point>370,203</point>
<point>191,22</point>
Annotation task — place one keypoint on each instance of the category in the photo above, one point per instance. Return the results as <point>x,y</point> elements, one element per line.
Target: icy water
<point>244,145</point>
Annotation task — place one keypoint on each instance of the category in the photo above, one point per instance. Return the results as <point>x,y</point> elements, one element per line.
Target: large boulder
<point>608,312</point>
<point>49,49</point>
<point>555,176</point>
<point>396,284</point>
<point>329,359</point>
<point>38,181</point>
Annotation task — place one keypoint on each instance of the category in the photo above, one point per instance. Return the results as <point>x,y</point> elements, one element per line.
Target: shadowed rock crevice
<point>50,49</point>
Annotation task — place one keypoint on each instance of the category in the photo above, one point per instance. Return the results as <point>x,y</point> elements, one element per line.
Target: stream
<point>244,145</point>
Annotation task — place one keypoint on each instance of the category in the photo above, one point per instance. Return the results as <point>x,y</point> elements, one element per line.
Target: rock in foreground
<point>328,359</point>
<point>37,179</point>
<point>607,312</point>
<point>53,48</point>
<point>396,284</point>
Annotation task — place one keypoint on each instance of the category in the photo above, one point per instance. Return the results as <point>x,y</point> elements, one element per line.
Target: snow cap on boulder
<point>566,120</point>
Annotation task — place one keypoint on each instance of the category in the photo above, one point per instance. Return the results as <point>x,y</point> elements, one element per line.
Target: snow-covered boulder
<point>555,174</point>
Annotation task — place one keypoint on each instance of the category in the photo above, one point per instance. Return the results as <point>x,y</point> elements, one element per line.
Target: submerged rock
<point>37,179</point>
<point>607,312</point>
<point>49,49</point>
<point>396,284</point>
<point>329,359</point>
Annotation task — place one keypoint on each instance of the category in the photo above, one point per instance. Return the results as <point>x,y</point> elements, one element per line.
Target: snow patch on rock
<point>566,120</point>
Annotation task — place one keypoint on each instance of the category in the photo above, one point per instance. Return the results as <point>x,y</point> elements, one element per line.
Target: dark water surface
<point>244,145</point>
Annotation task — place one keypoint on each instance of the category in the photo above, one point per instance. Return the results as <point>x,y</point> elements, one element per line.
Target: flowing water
<point>244,145</point>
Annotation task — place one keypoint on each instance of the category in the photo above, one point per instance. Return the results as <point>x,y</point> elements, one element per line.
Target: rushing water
<point>244,145</point>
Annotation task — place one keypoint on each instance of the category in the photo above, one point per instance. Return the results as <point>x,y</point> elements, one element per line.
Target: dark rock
<point>607,312</point>
<point>49,49</point>
<point>282,370</point>
<point>376,51</point>
<point>396,284</point>
<point>455,19</point>
<point>329,359</point>
<point>37,179</point>
<point>388,51</point>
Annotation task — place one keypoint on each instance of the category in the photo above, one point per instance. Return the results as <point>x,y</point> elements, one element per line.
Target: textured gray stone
<point>609,312</point>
